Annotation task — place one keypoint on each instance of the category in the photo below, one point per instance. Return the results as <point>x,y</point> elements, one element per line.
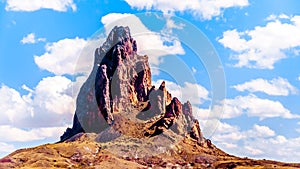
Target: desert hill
<point>123,121</point>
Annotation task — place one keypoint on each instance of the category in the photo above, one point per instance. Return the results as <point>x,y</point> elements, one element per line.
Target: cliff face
<point>120,86</point>
<point>122,121</point>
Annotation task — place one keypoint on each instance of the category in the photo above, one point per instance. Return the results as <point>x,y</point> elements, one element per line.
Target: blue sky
<point>256,42</point>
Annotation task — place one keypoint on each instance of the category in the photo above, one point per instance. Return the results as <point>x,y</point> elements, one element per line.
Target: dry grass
<point>129,152</point>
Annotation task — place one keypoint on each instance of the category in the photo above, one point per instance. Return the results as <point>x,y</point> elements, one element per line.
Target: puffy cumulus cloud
<point>195,93</point>
<point>264,46</point>
<point>13,106</point>
<point>13,134</point>
<point>256,142</point>
<point>254,106</point>
<point>34,5</point>
<point>50,104</point>
<point>226,132</point>
<point>44,112</point>
<point>31,39</point>
<point>54,95</point>
<point>202,113</point>
<point>204,9</point>
<point>286,149</point>
<point>9,135</point>
<point>149,43</point>
<point>260,131</point>
<point>250,105</point>
<point>61,57</point>
<point>75,56</point>
<point>277,86</point>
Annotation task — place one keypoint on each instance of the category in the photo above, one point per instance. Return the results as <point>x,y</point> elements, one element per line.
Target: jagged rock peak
<point>118,94</point>
<point>118,34</point>
<point>121,36</point>
<point>120,78</point>
<point>196,133</point>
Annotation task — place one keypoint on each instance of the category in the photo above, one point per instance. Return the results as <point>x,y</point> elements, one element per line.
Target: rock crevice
<point>119,85</point>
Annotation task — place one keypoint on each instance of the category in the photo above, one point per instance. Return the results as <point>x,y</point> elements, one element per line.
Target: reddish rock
<point>209,144</point>
<point>119,78</point>
<point>196,133</point>
<point>5,160</point>
<point>174,108</point>
<point>102,94</point>
<point>119,83</point>
<point>188,113</point>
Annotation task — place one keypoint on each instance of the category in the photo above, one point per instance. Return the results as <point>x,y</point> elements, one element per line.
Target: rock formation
<point>122,121</point>
<point>119,87</point>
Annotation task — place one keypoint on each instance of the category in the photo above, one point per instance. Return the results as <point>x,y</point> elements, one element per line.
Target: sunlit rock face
<point>122,121</point>
<point>118,92</point>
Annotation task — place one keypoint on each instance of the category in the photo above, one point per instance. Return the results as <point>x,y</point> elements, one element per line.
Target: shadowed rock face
<point>134,121</point>
<point>120,82</point>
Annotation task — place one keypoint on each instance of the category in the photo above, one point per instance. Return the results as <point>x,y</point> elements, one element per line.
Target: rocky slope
<point>118,94</point>
<point>122,121</point>
<point>84,151</point>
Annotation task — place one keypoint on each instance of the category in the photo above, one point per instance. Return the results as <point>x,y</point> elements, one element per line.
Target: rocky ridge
<point>122,121</point>
<point>119,87</point>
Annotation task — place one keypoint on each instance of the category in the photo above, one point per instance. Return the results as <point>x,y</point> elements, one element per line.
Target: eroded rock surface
<point>122,121</point>
<point>119,89</point>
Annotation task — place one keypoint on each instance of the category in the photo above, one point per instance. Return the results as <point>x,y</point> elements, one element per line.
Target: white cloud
<point>12,105</point>
<point>264,46</point>
<point>28,39</point>
<point>61,57</point>
<point>195,93</point>
<point>224,131</point>
<point>148,42</point>
<point>51,103</point>
<point>34,5</point>
<point>257,142</point>
<point>13,134</point>
<point>204,9</point>
<point>277,86</point>
<point>228,145</point>
<point>277,17</point>
<point>250,105</point>
<point>43,113</point>
<point>53,94</point>
<point>170,24</point>
<point>6,148</point>
<point>260,131</point>
<point>286,149</point>
<point>255,107</point>
<point>253,150</point>
<point>31,39</point>
<point>201,113</point>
